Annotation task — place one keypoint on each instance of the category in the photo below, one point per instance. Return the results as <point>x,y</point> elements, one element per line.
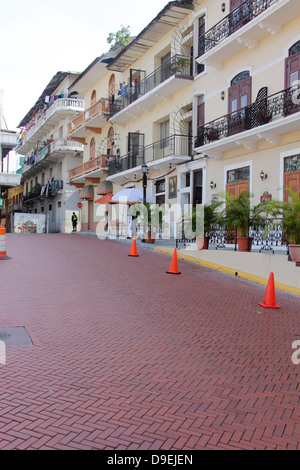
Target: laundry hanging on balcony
<point>52,98</point>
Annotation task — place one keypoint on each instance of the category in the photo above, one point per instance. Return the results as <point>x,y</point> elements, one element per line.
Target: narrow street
<point>125,356</point>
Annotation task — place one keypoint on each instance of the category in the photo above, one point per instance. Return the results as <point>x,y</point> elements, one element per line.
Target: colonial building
<point>8,179</point>
<point>48,154</point>
<point>99,138</point>
<point>246,103</point>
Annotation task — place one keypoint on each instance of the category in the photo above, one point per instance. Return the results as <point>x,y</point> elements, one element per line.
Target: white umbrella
<point>131,195</point>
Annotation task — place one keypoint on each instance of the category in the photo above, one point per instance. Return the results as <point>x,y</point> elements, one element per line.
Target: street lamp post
<point>145,171</point>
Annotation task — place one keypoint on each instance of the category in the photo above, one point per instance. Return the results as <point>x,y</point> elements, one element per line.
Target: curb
<point>225,269</point>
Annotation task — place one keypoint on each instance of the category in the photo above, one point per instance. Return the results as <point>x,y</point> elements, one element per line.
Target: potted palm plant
<point>239,215</point>
<point>290,212</point>
<point>206,220</point>
<point>149,222</point>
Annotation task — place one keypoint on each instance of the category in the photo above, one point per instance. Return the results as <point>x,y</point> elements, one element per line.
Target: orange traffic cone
<point>133,251</point>
<point>2,242</point>
<point>270,300</point>
<point>173,266</point>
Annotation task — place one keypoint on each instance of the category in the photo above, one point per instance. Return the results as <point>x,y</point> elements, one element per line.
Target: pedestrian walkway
<point>125,356</point>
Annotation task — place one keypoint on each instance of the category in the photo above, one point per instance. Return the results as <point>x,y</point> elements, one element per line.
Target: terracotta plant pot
<point>202,243</point>
<point>295,252</point>
<point>243,243</point>
<point>148,239</point>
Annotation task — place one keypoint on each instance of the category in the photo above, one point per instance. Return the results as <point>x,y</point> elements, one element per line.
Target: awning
<point>105,187</point>
<point>87,192</point>
<point>105,199</point>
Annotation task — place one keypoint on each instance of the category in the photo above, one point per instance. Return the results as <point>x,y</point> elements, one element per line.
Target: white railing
<point>77,105</point>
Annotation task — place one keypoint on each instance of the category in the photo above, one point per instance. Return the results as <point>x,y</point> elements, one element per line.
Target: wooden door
<point>235,189</point>
<point>292,181</point>
<point>235,4</point>
<point>239,99</point>
<point>292,77</point>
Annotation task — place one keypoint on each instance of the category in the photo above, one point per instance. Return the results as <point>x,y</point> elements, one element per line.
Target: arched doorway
<point>112,88</point>
<point>93,97</point>
<point>92,148</point>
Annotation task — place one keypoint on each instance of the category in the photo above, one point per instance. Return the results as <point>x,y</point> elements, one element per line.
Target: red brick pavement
<point>125,356</point>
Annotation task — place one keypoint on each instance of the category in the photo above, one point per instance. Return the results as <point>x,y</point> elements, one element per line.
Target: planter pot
<point>295,252</point>
<point>202,243</point>
<point>148,239</point>
<point>243,243</point>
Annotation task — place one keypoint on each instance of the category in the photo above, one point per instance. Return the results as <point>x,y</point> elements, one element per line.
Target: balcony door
<point>241,16</point>
<point>239,96</point>
<point>238,181</point>
<point>292,78</point>
<point>136,143</point>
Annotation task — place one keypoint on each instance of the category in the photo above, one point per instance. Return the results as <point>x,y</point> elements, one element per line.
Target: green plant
<point>290,213</point>
<point>121,38</point>
<point>239,214</point>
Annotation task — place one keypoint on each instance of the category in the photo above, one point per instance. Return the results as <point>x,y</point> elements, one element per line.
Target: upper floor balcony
<point>48,120</point>
<point>160,84</point>
<point>159,155</point>
<point>90,120</point>
<point>49,154</point>
<point>265,119</point>
<point>243,28</point>
<point>90,170</point>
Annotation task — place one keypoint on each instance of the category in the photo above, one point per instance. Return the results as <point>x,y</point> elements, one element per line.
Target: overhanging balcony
<point>90,120</point>
<point>160,155</point>
<point>91,171</point>
<point>160,84</point>
<point>48,120</point>
<point>243,28</point>
<point>266,119</point>
<point>49,154</point>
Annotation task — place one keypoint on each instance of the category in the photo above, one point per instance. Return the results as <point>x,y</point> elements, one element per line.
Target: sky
<point>39,38</point>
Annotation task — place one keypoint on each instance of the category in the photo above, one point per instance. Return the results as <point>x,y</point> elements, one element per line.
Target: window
<point>292,164</point>
<point>59,204</point>
<point>240,174</point>
<point>50,207</point>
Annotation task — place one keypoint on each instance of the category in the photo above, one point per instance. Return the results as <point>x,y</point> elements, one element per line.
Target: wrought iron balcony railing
<point>262,111</point>
<point>235,20</point>
<point>265,235</point>
<point>180,66</point>
<point>174,145</point>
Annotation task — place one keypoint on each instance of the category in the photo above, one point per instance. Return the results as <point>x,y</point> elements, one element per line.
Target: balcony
<point>91,170</point>
<point>266,119</point>
<point>160,84</point>
<point>49,154</point>
<point>243,28</point>
<point>90,120</point>
<point>160,155</point>
<point>48,120</point>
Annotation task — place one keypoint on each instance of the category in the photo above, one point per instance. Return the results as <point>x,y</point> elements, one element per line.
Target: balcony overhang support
<point>92,180</point>
<point>271,138</point>
<point>77,185</point>
<point>249,43</point>
<point>247,144</point>
<point>271,28</point>
<point>95,130</point>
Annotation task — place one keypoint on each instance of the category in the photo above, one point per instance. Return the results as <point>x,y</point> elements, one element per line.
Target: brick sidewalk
<point>125,356</point>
